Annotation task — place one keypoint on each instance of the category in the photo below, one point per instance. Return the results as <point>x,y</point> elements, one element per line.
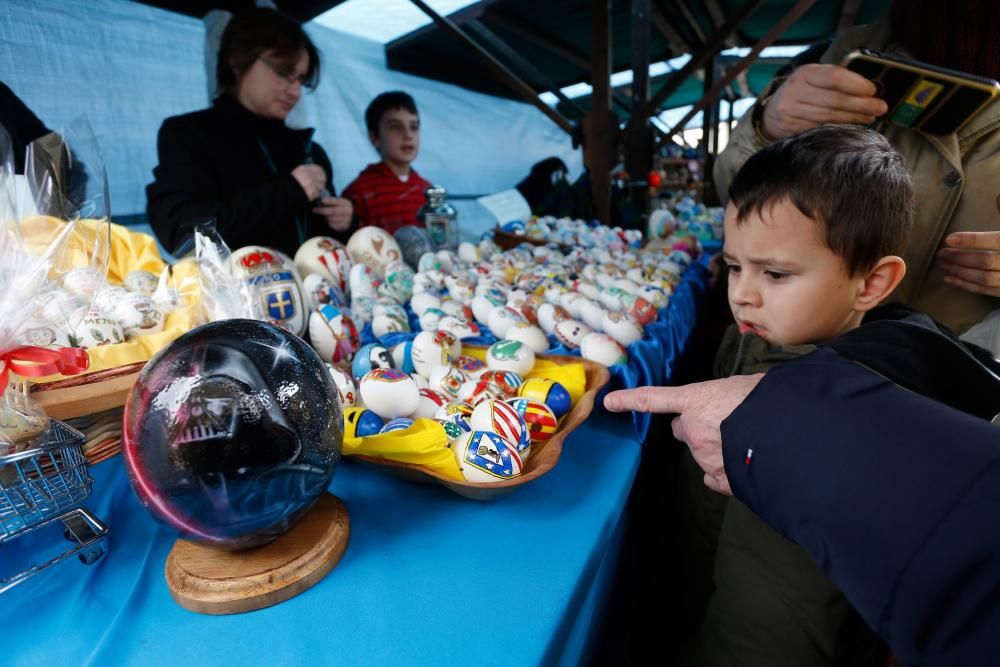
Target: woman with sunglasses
<point>237,162</point>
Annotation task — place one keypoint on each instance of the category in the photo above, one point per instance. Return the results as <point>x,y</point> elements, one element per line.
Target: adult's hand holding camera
<point>816,94</point>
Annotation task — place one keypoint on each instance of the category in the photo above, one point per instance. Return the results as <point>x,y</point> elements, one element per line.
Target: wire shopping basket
<point>43,485</point>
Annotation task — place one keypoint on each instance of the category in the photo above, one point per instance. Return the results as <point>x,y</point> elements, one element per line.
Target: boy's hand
<point>312,178</point>
<point>337,211</point>
<point>971,261</point>
<point>701,408</point>
<point>817,94</point>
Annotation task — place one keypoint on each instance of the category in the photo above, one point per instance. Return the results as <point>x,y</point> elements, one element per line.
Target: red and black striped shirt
<point>382,200</point>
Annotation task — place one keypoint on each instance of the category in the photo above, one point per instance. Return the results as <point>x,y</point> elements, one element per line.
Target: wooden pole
<point>639,142</point>
<point>599,142</point>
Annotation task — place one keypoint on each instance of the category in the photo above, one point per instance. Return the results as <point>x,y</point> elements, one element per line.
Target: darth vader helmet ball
<point>232,432</point>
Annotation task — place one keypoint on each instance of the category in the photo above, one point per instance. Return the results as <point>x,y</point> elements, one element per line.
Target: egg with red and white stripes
<point>484,456</point>
<point>501,418</point>
<point>540,420</point>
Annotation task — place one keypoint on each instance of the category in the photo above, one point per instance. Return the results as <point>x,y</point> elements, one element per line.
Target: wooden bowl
<point>544,457</point>
<point>87,394</point>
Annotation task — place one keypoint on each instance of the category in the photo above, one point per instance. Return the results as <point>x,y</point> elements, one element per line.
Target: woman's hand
<point>337,211</point>
<point>971,261</point>
<point>312,178</point>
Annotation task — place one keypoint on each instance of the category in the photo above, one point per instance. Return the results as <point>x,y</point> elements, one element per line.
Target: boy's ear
<point>373,137</point>
<point>879,282</point>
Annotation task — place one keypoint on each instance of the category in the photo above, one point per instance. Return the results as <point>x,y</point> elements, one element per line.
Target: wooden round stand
<point>211,581</point>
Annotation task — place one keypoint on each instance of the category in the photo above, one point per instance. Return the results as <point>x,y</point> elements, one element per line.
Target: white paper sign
<point>506,206</point>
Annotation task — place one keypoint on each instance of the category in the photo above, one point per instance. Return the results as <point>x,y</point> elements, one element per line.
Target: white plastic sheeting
<point>129,66</point>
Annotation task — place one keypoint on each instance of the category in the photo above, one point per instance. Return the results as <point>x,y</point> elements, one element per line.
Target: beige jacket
<point>956,179</point>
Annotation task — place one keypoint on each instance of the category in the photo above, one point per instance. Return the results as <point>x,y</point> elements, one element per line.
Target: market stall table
<point>428,578</point>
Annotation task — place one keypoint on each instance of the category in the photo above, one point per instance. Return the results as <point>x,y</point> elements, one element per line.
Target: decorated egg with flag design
<point>325,257</point>
<point>333,334</point>
<point>541,422</point>
<point>501,418</point>
<point>549,392</point>
<point>389,393</point>
<point>503,383</point>
<point>484,456</point>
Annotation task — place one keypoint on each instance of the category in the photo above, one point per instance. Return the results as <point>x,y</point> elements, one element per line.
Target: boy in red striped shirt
<point>389,193</point>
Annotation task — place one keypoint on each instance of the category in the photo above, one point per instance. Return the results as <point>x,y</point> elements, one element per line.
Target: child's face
<point>398,139</point>
<point>785,284</point>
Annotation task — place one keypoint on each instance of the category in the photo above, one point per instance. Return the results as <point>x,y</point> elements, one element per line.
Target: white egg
<point>629,286</point>
<point>363,282</point>
<point>58,305</point>
<point>422,301</point>
<point>571,332</point>
<point>389,393</point>
<point>468,253</point>
<point>622,328</point>
<point>603,349</point>
<point>483,456</point>
<point>501,319</point>
<point>83,281</point>
<point>589,290</point>
<point>510,355</point>
<point>107,299</point>
<point>459,327</point>
<point>137,315</point>
<point>96,330</point>
<point>385,323</point>
<point>430,318</point>
<point>592,315</point>
<point>531,335</point>
<point>430,349</point>
<point>481,307</point>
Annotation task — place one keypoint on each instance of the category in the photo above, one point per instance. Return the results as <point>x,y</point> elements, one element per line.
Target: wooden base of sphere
<point>211,581</point>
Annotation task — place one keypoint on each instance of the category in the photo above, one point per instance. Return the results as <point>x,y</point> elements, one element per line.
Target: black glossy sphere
<point>232,432</point>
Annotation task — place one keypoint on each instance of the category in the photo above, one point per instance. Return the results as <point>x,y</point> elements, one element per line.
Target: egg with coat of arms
<point>501,418</point>
<point>273,276</point>
<point>389,393</point>
<point>472,366</point>
<point>510,355</point>
<point>448,380</point>
<point>503,383</point>
<point>484,456</point>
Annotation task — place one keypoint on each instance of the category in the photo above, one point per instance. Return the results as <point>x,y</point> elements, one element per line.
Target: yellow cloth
<point>130,251</point>
<point>425,442</point>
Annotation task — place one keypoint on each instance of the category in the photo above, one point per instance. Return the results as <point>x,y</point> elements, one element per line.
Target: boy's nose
<point>744,293</point>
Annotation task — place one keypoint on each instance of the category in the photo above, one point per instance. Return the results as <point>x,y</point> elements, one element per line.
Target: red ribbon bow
<point>33,361</point>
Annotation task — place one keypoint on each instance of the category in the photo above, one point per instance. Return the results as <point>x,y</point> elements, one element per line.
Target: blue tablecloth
<point>428,578</point>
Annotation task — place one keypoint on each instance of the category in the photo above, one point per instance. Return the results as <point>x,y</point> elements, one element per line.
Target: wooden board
<point>87,394</point>
<point>544,457</point>
<point>211,581</point>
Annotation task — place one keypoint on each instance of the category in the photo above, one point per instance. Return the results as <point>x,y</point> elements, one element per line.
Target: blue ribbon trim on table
<point>651,361</point>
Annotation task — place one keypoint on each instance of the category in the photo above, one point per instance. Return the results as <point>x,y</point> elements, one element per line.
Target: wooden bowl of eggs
<point>544,454</point>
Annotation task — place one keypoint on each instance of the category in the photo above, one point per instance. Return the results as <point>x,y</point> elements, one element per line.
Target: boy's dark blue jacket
<point>877,455</point>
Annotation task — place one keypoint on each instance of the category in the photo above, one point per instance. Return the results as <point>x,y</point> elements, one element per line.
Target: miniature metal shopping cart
<point>43,485</point>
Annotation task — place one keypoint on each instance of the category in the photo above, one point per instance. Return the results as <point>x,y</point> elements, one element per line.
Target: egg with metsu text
<point>389,393</point>
<point>484,456</point>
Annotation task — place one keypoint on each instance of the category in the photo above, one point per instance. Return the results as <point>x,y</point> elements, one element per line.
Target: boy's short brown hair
<point>845,177</point>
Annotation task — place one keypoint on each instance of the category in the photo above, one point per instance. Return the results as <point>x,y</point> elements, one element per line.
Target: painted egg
<point>142,282</point>
<point>570,333</point>
<point>374,247</point>
<point>622,328</point>
<point>368,358</point>
<point>602,349</point>
<point>625,284</point>
<point>448,380</point>
<point>398,281</point>
<point>430,318</point>
<point>468,252</point>
<point>138,315</point>
<point>475,391</point>
<point>423,283</point>
<point>42,333</point>
<point>363,282</point>
<point>505,383</point>
<point>448,260</point>
<point>319,291</point>
<point>333,334</point>
<point>273,276</point>
<point>361,422</point>
<point>397,424</point>
<point>402,357</point>
<point>510,355</point>
<point>453,410</point>
<point>362,310</point>
<point>501,418</point>
<point>428,262</point>
<point>541,422</point>
<point>549,315</point>
<point>413,242</point>
<point>385,323</point>
<point>389,393</point>
<point>325,257</point>
<point>483,456</point>
<point>655,295</point>
<point>642,311</point>
<point>422,301</point>
<point>461,328</point>
<point>430,349</point>
<point>347,391</point>
<point>107,299</point>
<point>502,318</point>
<point>458,309</point>
<point>572,302</point>
<point>587,289</point>
<point>530,335</point>
<point>483,304</point>
<point>430,402</point>
<point>549,392</point>
<point>612,298</point>
<point>95,330</point>
<point>471,366</point>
